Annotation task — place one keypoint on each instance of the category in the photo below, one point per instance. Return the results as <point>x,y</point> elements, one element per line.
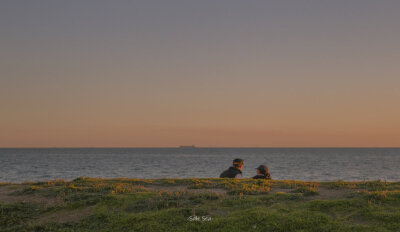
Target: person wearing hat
<point>235,171</point>
<point>262,173</point>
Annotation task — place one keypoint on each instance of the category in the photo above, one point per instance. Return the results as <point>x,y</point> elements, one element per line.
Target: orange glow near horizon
<point>311,74</point>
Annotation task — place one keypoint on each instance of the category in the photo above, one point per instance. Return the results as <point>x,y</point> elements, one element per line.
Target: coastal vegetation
<point>206,204</point>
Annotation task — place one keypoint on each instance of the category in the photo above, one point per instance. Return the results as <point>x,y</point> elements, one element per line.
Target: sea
<point>306,164</point>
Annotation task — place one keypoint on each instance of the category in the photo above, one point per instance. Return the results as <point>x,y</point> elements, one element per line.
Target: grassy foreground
<point>212,204</point>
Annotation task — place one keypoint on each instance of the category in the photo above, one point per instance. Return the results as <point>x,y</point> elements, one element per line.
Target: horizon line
<point>95,147</point>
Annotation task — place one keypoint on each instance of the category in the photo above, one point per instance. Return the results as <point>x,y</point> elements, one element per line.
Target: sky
<point>227,73</point>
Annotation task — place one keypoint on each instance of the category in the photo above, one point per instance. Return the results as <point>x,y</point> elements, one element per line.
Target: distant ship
<point>192,146</point>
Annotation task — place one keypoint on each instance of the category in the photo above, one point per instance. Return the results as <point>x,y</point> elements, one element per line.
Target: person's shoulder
<point>267,177</point>
<point>222,174</point>
<point>225,173</point>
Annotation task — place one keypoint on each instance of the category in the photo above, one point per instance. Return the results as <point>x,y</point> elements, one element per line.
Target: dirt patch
<point>218,191</point>
<point>217,212</point>
<point>64,216</point>
<point>167,188</point>
<point>10,188</point>
<point>359,220</point>
<point>328,194</point>
<point>323,193</point>
<point>279,190</point>
<point>181,188</point>
<point>7,198</point>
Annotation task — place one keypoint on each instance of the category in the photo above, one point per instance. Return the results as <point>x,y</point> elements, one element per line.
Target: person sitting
<point>262,173</point>
<point>235,171</point>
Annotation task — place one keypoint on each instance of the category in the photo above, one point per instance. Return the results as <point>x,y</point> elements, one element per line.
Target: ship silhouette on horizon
<point>185,146</point>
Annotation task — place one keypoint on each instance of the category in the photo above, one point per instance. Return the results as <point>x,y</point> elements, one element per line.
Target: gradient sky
<point>300,73</point>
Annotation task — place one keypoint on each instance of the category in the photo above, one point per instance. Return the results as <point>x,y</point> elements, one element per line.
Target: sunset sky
<point>226,73</point>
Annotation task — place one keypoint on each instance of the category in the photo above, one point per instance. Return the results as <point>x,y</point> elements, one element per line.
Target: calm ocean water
<point>319,164</point>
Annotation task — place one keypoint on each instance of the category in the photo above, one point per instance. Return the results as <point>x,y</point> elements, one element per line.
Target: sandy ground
<point>63,216</point>
<point>184,188</point>
<point>7,196</point>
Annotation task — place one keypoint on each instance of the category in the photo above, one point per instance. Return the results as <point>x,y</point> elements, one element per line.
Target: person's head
<point>262,169</point>
<point>238,163</point>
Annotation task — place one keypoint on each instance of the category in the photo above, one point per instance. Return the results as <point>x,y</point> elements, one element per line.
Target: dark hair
<point>263,169</point>
<point>237,162</point>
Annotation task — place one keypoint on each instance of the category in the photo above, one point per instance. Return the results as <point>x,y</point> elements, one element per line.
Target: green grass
<point>171,205</point>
